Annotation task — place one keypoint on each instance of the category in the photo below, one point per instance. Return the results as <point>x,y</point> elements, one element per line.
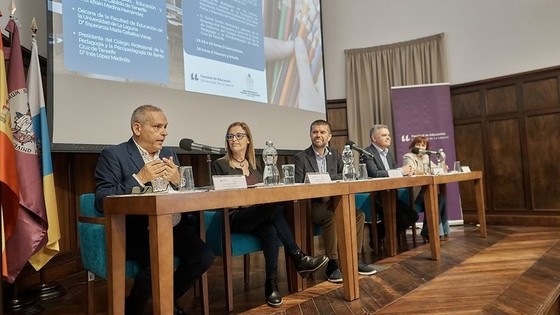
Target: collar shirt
<point>158,184</point>
<point>321,160</point>
<point>383,155</point>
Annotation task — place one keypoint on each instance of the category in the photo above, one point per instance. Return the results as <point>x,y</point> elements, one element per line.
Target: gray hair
<point>376,128</point>
<point>139,114</point>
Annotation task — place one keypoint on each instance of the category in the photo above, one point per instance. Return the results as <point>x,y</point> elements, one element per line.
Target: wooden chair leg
<point>228,270</point>
<point>414,234</point>
<point>246,268</point>
<point>203,281</point>
<point>373,241</point>
<point>90,293</point>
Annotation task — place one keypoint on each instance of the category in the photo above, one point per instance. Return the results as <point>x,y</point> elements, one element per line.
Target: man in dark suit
<point>144,162</point>
<point>320,158</point>
<point>378,166</point>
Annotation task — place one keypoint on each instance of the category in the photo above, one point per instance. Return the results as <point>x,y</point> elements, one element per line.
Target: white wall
<point>26,10</point>
<point>484,38</point>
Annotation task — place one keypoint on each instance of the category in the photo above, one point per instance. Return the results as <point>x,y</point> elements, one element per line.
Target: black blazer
<point>375,167</point>
<point>113,176</point>
<point>221,167</point>
<point>306,163</point>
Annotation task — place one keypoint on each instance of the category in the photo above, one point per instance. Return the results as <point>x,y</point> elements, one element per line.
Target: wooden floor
<point>516,270</point>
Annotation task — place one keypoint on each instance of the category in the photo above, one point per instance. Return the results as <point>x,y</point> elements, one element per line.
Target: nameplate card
<point>465,169</point>
<point>317,178</point>
<point>222,182</point>
<point>437,171</point>
<point>395,173</point>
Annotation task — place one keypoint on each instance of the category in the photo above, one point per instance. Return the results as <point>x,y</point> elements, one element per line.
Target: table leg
<point>389,199</point>
<point>205,304</point>
<point>116,248</point>
<point>345,215</point>
<point>296,216</point>
<point>432,219</point>
<point>161,260</point>
<point>480,207</point>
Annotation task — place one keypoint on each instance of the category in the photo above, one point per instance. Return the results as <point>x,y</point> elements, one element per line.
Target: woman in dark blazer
<point>267,220</point>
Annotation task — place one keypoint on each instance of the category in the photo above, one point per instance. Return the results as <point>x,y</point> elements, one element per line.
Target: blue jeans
<point>443,220</point>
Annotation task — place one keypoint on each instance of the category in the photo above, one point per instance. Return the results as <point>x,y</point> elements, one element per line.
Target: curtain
<point>371,72</point>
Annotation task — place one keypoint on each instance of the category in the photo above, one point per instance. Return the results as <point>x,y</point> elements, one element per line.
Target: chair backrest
<point>363,202</point>
<point>405,195</point>
<point>241,243</point>
<point>91,231</point>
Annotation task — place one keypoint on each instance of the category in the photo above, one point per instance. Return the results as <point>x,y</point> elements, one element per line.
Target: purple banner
<point>425,110</point>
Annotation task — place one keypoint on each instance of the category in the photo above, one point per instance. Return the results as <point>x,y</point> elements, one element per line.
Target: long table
<point>431,202</point>
<point>160,207</point>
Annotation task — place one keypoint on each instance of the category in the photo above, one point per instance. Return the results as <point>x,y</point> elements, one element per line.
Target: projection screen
<point>206,63</point>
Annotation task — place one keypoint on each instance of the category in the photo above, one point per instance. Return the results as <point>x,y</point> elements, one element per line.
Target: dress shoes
<point>273,297</point>
<point>307,264</point>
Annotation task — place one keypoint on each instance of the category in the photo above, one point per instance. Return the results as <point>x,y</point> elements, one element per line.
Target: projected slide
<point>117,38</point>
<point>224,51</point>
<point>267,51</point>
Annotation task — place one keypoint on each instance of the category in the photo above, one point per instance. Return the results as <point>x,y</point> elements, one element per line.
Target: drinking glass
<point>362,168</point>
<point>187,180</point>
<point>457,166</point>
<point>288,173</point>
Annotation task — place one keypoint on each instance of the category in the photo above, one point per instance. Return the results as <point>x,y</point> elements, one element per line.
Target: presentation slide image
<point>114,38</point>
<point>229,31</point>
<point>224,79</point>
<point>224,51</point>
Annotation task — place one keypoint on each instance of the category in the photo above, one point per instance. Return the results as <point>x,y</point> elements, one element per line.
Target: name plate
<point>222,182</point>
<point>395,173</point>
<point>465,169</point>
<point>437,171</point>
<point>317,178</point>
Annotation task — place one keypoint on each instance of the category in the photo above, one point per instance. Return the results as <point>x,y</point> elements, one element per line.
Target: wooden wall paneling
<point>506,165</point>
<point>515,119</point>
<point>543,147</point>
<point>501,100</point>
<point>541,93</point>
<point>64,199</point>
<point>466,104</point>
<point>337,117</point>
<point>470,150</point>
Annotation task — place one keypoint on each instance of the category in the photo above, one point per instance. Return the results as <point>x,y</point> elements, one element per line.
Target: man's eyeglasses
<point>237,136</point>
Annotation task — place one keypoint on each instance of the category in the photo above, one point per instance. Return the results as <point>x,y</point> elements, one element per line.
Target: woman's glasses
<point>237,136</point>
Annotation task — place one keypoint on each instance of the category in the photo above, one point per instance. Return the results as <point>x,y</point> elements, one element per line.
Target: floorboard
<point>516,270</point>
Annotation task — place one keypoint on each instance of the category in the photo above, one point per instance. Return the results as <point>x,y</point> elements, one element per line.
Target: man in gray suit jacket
<point>378,166</point>
<point>144,162</point>
<point>320,158</point>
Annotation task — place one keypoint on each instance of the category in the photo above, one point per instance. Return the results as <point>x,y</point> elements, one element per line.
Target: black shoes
<point>307,264</point>
<point>271,293</point>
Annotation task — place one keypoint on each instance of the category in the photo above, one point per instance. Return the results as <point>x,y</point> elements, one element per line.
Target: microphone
<point>362,151</point>
<point>189,145</point>
<point>416,151</point>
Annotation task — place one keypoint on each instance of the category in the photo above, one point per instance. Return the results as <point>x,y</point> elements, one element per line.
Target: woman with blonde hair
<point>266,220</point>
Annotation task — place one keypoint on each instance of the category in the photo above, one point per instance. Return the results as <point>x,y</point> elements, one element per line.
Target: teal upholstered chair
<point>91,231</point>
<point>364,202</point>
<point>406,196</point>
<point>228,245</point>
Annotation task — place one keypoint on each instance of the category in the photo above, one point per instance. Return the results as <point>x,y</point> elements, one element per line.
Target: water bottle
<point>441,160</point>
<point>348,172</point>
<point>271,176</point>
